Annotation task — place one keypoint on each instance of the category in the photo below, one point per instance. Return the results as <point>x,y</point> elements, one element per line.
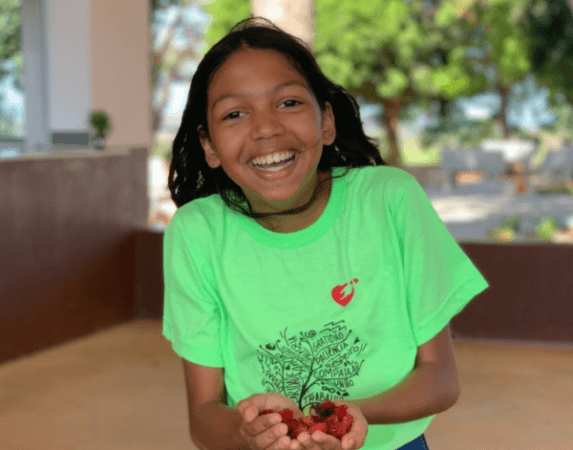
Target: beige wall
<point>120,58</point>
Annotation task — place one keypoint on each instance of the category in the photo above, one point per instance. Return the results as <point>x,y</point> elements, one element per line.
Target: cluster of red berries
<point>325,417</point>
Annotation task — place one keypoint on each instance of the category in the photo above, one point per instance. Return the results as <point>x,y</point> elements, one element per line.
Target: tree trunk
<point>504,93</point>
<point>390,118</point>
<point>293,16</point>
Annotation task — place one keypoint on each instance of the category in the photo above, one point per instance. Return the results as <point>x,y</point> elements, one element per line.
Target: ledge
<point>73,152</point>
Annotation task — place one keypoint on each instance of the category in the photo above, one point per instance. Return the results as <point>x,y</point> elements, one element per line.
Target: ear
<point>211,157</point>
<point>328,125</point>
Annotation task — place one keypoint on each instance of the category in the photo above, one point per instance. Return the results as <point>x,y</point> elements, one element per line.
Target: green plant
<point>101,122</point>
<point>546,228</point>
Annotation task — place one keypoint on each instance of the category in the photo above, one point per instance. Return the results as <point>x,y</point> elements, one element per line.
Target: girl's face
<point>258,105</point>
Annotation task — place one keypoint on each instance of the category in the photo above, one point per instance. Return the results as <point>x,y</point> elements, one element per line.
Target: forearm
<point>426,391</point>
<point>215,426</point>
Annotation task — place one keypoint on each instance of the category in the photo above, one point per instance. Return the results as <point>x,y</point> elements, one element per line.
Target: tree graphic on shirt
<point>312,367</point>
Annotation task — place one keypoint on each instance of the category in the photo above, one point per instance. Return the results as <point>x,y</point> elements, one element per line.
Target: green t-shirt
<point>333,311</point>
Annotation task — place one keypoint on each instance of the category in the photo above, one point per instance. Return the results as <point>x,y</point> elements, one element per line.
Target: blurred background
<point>472,97</point>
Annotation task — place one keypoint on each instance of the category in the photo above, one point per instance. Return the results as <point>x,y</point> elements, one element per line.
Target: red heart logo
<point>339,293</point>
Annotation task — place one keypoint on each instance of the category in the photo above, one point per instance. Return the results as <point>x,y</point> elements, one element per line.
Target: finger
<point>282,443</point>
<point>306,442</point>
<point>347,443</point>
<point>325,441</point>
<point>295,445</point>
<point>268,437</point>
<point>242,406</point>
<point>263,423</point>
<point>250,414</point>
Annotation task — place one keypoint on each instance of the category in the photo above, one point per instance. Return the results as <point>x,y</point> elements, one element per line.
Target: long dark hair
<point>190,177</point>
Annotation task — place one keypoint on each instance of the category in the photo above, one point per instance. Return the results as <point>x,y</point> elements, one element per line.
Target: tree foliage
<point>550,28</point>
<point>10,27</point>
<point>224,14</point>
<point>176,43</point>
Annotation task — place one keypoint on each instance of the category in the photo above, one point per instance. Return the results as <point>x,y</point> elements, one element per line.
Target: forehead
<point>251,69</point>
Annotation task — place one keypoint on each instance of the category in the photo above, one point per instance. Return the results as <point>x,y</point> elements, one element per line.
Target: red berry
<point>321,426</point>
<point>334,419</point>
<point>347,423</point>
<point>291,423</point>
<point>266,411</point>
<point>341,411</point>
<point>286,414</point>
<point>299,429</point>
<point>327,404</point>
<point>308,421</point>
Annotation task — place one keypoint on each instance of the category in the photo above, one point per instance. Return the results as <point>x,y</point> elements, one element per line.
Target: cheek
<point>228,141</point>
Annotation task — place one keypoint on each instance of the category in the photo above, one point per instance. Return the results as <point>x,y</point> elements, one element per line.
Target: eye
<point>290,102</point>
<point>232,115</point>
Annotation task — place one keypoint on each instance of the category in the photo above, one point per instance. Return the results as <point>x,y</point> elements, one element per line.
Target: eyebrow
<point>276,89</point>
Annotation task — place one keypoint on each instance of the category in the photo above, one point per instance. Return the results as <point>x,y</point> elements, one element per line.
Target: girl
<point>299,267</point>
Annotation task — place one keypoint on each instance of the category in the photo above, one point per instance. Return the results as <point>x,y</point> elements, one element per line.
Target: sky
<point>530,114</point>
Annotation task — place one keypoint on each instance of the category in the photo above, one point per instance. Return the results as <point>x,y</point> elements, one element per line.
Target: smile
<point>274,162</point>
<point>275,166</point>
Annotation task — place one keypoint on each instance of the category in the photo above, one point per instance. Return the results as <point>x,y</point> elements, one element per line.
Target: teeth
<point>275,168</point>
<point>274,158</point>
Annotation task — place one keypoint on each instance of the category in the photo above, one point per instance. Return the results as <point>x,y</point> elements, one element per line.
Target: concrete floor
<point>122,388</point>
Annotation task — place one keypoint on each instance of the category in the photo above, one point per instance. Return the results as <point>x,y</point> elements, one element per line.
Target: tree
<point>551,49</point>
<point>396,53</point>
<point>10,26</point>
<point>176,43</point>
<point>502,47</point>
<point>312,366</point>
<point>11,62</point>
<point>224,14</point>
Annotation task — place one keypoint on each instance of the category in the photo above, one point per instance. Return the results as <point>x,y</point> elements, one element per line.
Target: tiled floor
<point>122,388</point>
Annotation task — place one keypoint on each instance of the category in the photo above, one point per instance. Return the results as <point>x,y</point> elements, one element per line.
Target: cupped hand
<point>354,439</point>
<point>267,431</point>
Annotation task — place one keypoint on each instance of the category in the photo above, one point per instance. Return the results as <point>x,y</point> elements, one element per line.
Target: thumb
<point>250,402</point>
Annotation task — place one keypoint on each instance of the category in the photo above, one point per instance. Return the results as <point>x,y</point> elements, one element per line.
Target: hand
<point>352,440</point>
<point>260,432</point>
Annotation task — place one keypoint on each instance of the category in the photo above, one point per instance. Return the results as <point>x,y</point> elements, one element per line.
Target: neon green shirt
<point>333,311</point>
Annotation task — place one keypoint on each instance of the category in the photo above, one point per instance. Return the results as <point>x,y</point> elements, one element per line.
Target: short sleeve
<point>191,313</point>
<point>440,278</point>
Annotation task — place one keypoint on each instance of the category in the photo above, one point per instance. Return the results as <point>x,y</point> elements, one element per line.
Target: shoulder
<point>389,180</point>
<point>197,217</point>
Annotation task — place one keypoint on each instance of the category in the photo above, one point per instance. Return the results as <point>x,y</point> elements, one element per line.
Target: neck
<point>296,222</point>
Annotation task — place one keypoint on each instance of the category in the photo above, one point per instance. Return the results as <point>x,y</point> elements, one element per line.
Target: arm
<point>432,387</point>
<point>212,424</point>
<point>216,427</point>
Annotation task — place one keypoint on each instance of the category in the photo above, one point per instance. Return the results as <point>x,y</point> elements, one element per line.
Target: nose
<point>265,124</point>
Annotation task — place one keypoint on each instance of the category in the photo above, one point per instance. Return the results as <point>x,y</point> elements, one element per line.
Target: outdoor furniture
<point>557,167</point>
<point>491,164</point>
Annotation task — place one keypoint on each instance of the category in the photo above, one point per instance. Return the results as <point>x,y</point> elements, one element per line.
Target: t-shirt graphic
<point>312,367</point>
<point>342,295</point>
<point>333,311</point>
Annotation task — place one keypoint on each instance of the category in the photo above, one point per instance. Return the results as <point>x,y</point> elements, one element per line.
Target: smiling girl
<point>299,267</point>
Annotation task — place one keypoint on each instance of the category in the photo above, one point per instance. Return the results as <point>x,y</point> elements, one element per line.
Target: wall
<point>529,298</point>
<point>121,71</point>
<point>67,244</point>
<point>68,64</point>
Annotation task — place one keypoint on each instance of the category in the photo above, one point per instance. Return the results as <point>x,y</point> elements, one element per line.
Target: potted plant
<point>101,123</point>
